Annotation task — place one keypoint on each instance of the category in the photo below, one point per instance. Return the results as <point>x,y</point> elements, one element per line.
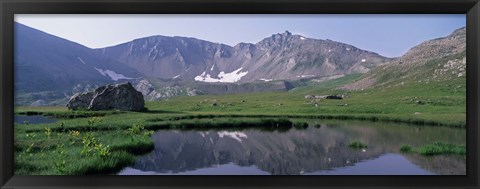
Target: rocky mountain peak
<point>279,39</point>
<point>284,35</point>
<point>287,33</point>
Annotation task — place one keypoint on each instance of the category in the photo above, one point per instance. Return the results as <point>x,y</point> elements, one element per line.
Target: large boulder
<point>110,97</point>
<point>80,101</point>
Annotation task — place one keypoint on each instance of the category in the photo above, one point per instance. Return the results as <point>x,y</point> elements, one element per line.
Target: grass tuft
<point>357,145</point>
<point>405,148</point>
<point>436,148</point>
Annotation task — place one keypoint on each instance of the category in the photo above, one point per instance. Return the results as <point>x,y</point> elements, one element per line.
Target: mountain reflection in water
<point>313,150</point>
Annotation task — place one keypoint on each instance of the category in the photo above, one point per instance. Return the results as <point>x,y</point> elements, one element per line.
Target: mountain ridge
<point>431,60</point>
<point>274,57</point>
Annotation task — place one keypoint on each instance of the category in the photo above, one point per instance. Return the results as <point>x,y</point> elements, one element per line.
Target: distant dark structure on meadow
<point>109,97</point>
<point>337,97</point>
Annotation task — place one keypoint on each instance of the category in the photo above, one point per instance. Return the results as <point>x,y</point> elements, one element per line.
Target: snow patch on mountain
<point>302,76</point>
<point>363,60</point>
<point>222,77</point>
<point>113,75</point>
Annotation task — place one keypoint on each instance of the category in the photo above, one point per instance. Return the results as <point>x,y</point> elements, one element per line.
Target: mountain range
<point>50,69</point>
<point>282,56</point>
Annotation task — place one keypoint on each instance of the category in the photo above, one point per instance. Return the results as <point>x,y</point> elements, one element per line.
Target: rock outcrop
<point>110,97</point>
<point>151,93</point>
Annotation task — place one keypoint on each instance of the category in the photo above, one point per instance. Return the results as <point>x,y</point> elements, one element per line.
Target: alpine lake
<point>321,148</point>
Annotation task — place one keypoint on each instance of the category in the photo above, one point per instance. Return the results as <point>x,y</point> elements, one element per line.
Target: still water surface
<point>37,119</point>
<point>313,151</point>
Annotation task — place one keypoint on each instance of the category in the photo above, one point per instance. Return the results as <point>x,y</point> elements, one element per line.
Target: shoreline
<point>198,115</point>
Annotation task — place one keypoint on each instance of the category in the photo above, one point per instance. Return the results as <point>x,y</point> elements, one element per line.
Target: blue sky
<point>388,35</point>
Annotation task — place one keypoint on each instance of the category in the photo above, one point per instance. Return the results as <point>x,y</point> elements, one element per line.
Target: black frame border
<point>10,7</point>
